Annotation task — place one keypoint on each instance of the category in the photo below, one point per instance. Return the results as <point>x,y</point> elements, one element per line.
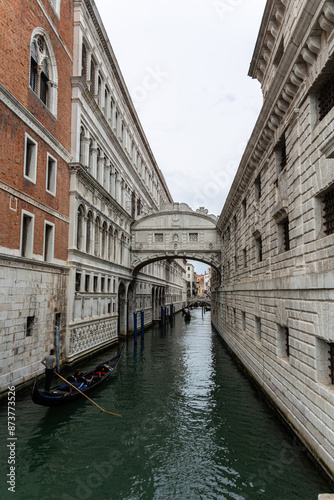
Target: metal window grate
<point>331,361</point>
<point>329,212</point>
<point>286,237</point>
<point>326,98</point>
<point>287,346</point>
<point>284,157</point>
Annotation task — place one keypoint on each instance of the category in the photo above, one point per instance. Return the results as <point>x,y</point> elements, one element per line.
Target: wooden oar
<point>69,383</point>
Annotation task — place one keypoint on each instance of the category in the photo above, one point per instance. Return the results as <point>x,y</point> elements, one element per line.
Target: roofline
<point>105,42</point>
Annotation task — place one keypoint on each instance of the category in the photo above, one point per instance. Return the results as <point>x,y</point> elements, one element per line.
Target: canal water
<point>193,427</point>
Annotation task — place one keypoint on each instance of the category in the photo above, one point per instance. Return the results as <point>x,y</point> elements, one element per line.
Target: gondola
<point>187,317</point>
<point>64,393</point>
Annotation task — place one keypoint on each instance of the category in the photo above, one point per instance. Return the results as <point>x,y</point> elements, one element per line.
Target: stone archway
<point>175,232</point>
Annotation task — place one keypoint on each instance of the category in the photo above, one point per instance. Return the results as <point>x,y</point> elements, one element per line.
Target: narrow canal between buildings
<point>193,427</point>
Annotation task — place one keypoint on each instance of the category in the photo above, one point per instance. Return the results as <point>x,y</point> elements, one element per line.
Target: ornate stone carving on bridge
<point>177,232</point>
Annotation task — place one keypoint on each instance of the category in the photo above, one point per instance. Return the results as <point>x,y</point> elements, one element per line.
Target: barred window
<point>193,236</point>
<point>257,187</point>
<point>326,98</point>
<point>329,212</point>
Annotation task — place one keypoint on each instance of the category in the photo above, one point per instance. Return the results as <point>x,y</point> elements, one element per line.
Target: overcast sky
<point>185,63</point>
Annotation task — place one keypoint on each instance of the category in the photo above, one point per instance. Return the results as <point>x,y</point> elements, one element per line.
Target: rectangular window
<point>30,326</point>
<point>48,241</point>
<point>158,237</point>
<point>95,283</point>
<point>283,341</point>
<point>243,320</point>
<point>102,284</point>
<point>283,236</point>
<point>326,98</point>
<point>30,159</point>
<point>257,187</point>
<point>77,282</point>
<point>193,236</point>
<point>258,249</point>
<point>328,212</point>
<point>281,154</point>
<point>244,208</point>
<point>325,361</point>
<point>109,285</point>
<point>244,257</point>
<point>27,235</point>
<point>257,329</point>
<point>234,316</point>
<point>87,282</point>
<point>51,173</point>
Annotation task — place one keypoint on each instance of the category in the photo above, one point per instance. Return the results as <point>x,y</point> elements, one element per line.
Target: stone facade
<point>76,172</point>
<point>275,305</point>
<point>35,96</point>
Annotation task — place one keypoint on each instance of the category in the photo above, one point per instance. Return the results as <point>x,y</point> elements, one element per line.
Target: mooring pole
<point>135,326</point>
<point>165,314</point>
<point>142,323</point>
<point>162,316</point>
<point>57,346</point>
<point>171,312</point>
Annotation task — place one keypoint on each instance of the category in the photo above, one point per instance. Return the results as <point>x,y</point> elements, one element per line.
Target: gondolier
<point>50,363</point>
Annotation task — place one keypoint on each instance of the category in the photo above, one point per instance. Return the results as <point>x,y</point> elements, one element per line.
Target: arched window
<point>104,240</point>
<point>84,61</point>
<point>97,237</point>
<point>99,91</point>
<point>82,146</point>
<point>43,78</point>
<point>110,243</point>
<point>80,227</point>
<point>89,232</point>
<point>138,206</point>
<point>115,246</point>
<point>92,76</point>
<point>91,156</point>
<point>122,248</point>
<point>111,113</point>
<point>133,205</point>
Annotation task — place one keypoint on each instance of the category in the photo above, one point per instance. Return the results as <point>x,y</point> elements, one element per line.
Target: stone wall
<point>33,300</point>
<point>275,305</point>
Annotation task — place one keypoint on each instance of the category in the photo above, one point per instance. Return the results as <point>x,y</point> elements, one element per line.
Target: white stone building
<point>190,279</point>
<point>275,305</point>
<point>114,178</point>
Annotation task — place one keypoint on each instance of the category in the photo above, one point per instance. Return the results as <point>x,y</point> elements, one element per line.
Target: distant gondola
<point>64,393</point>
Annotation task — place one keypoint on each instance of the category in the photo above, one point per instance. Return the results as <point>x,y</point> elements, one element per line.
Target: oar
<point>69,383</point>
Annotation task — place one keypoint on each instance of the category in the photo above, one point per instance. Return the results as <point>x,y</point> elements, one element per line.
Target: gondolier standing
<point>50,362</point>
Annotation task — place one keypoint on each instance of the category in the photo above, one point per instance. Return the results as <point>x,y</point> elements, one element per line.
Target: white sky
<point>185,63</point>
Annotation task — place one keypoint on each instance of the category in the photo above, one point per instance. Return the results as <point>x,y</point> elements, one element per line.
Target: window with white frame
<point>43,76</point>
<point>51,174</point>
<point>27,234</point>
<point>49,232</point>
<point>30,158</point>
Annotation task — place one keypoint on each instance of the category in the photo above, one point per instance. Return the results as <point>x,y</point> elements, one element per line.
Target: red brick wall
<point>17,21</point>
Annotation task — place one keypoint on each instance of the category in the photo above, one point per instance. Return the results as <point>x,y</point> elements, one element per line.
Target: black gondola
<point>187,316</point>
<point>64,393</point>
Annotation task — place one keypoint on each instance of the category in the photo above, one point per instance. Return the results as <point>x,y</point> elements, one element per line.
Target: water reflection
<point>193,427</point>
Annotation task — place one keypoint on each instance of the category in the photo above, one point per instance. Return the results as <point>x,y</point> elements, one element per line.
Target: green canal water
<point>193,427</point>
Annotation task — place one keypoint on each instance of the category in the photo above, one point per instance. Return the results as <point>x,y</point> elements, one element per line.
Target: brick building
<point>36,44</point>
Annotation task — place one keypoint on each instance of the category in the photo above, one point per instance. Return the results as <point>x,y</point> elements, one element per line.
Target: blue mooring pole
<point>162,316</point>
<point>142,323</point>
<point>135,326</point>
<point>57,346</point>
<point>165,314</point>
<point>171,312</point>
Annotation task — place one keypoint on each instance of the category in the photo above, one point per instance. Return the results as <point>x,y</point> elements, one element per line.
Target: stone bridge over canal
<point>175,232</point>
